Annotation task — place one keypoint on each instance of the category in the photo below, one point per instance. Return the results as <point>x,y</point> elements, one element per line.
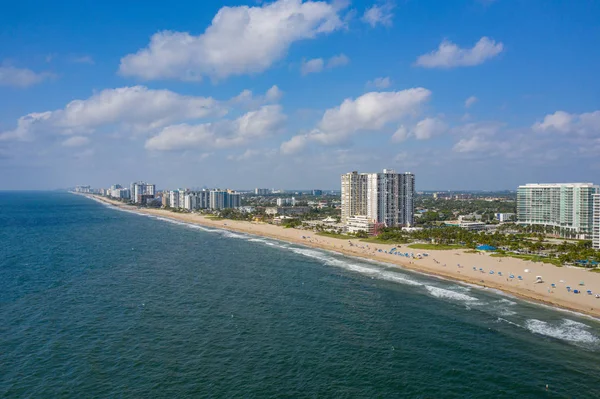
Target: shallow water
<point>100,302</point>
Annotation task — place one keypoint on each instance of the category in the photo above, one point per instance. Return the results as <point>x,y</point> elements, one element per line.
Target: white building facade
<point>566,208</point>
<point>384,198</point>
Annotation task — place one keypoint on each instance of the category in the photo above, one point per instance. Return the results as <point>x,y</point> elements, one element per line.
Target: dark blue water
<point>96,302</point>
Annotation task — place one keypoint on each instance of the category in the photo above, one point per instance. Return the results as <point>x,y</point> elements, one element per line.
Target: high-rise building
<point>354,195</point>
<point>141,192</point>
<point>317,193</point>
<point>261,191</point>
<point>567,208</point>
<point>221,199</point>
<point>174,198</point>
<point>384,198</point>
<point>596,221</point>
<point>406,199</point>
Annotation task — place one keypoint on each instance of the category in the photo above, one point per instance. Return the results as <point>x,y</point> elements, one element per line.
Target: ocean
<point>98,302</point>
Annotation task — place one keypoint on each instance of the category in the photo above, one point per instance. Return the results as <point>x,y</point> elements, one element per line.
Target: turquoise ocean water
<point>97,302</point>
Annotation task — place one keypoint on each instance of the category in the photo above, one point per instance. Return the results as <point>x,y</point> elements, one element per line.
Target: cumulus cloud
<point>580,127</point>
<point>21,77</point>
<point>247,99</point>
<point>449,55</point>
<point>316,65</point>
<point>253,125</point>
<point>379,14</point>
<point>136,108</point>
<point>380,83</point>
<point>470,101</point>
<point>423,130</point>
<point>480,137</point>
<point>369,112</point>
<point>312,66</point>
<point>240,40</point>
<point>76,141</point>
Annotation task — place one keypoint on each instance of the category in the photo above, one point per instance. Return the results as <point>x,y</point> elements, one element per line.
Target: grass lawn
<point>214,217</point>
<point>435,246</point>
<point>335,235</point>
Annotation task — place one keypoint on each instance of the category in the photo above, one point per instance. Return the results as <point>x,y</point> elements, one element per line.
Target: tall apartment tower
<point>140,192</point>
<point>406,198</point>
<point>385,197</point>
<point>568,208</point>
<point>354,195</point>
<point>596,221</point>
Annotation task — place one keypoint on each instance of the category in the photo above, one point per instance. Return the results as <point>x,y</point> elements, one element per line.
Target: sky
<point>289,94</point>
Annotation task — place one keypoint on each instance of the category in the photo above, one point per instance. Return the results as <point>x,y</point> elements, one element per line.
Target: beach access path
<point>472,268</point>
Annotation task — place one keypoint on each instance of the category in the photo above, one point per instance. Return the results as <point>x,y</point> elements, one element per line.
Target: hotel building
<point>568,208</point>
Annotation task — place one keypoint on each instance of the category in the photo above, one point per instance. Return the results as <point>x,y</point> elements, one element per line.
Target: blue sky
<point>472,94</point>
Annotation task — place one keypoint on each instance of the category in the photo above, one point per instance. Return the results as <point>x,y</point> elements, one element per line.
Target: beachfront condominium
<point>141,192</point>
<point>596,221</point>
<point>221,199</point>
<point>565,209</point>
<point>384,198</point>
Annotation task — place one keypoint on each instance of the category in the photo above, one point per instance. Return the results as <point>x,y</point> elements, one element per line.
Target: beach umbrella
<point>553,285</point>
<point>512,276</point>
<point>520,278</point>
<point>581,283</point>
<point>589,292</point>
<point>491,272</point>
<point>474,268</point>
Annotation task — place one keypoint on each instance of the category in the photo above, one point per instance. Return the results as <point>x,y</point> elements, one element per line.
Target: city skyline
<point>476,95</point>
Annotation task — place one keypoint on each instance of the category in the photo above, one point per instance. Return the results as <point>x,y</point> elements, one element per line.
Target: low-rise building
<point>473,226</point>
<point>287,211</point>
<point>505,217</point>
<point>360,223</point>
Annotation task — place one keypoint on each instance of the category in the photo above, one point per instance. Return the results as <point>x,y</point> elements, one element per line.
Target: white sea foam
<point>567,330</point>
<point>375,272</point>
<point>448,294</point>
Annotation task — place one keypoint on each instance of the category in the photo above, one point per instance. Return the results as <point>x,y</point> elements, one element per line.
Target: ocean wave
<point>568,330</point>
<point>448,294</point>
<point>378,273</point>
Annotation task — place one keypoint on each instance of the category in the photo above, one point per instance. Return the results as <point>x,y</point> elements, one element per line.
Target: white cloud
<point>470,101</point>
<point>21,77</point>
<point>423,130</point>
<point>449,55</point>
<point>379,15</point>
<point>135,108</point>
<point>316,65</point>
<point>585,125</point>
<point>559,121</point>
<point>380,83</point>
<point>240,40</point>
<point>249,100</point>
<point>253,125</point>
<point>294,145</point>
<point>76,141</point>
<point>369,112</point>
<point>312,66</point>
<point>338,60</point>
<point>401,134</point>
<point>481,138</point>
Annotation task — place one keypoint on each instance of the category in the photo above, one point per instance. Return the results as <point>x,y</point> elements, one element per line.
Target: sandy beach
<point>453,264</point>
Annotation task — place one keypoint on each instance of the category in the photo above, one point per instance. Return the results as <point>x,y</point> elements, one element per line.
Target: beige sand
<point>440,263</point>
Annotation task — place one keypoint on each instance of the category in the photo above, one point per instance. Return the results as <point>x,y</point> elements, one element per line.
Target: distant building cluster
<point>262,191</point>
<point>371,199</point>
<point>83,189</point>
<point>205,199</point>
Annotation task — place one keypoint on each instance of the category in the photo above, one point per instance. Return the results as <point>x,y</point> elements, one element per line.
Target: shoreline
<point>455,265</point>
